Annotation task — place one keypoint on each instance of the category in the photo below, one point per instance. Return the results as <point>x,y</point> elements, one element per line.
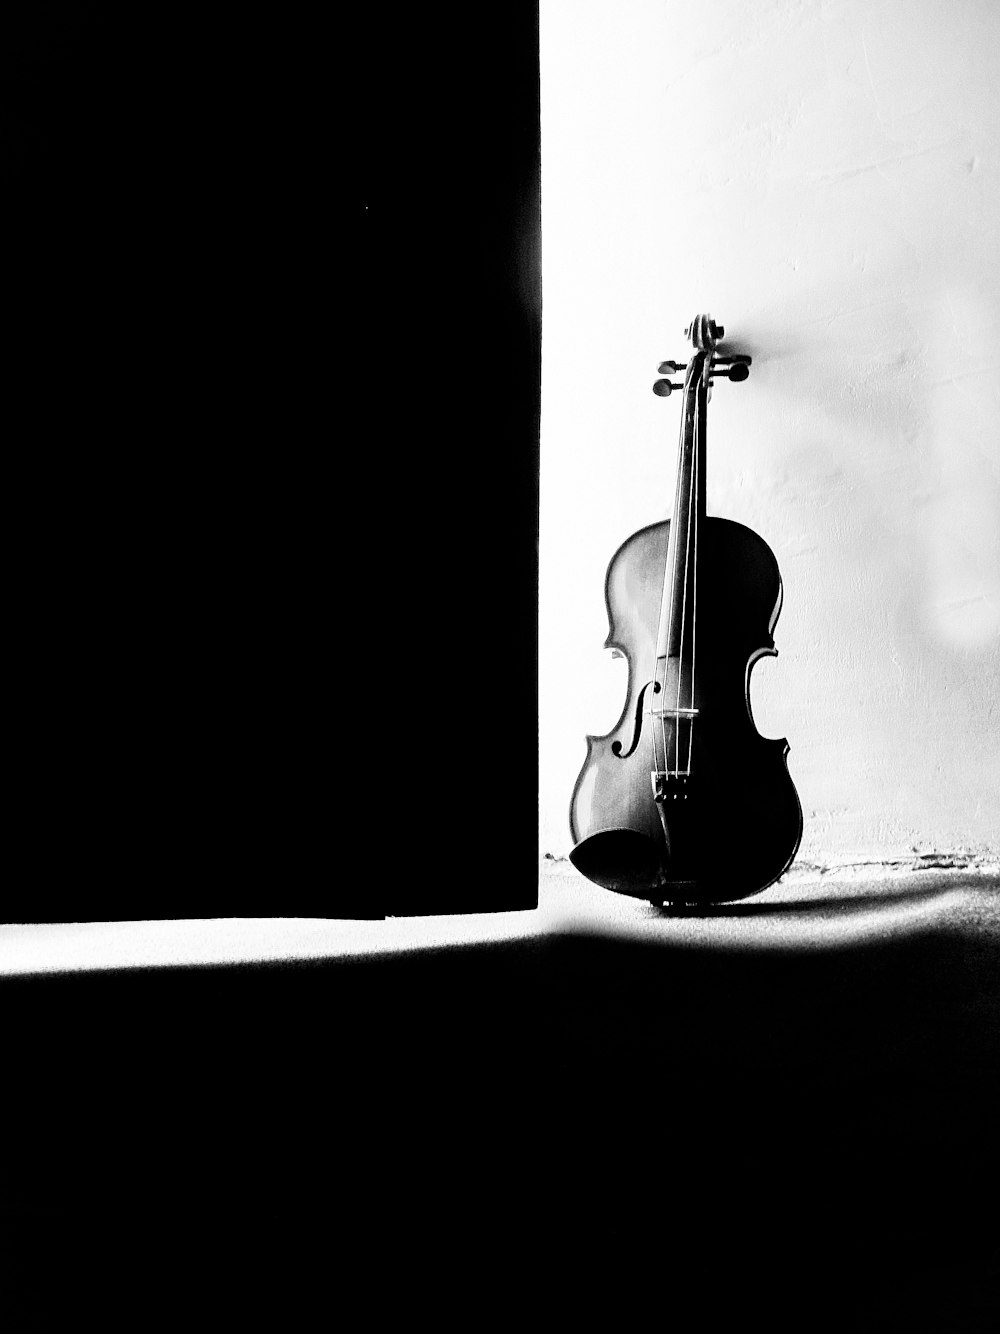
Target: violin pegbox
<point>706,336</point>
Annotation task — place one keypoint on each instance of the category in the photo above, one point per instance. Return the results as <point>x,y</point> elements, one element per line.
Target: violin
<point>683,802</point>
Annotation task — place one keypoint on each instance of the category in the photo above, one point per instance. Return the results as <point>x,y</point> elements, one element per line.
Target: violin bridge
<point>669,785</point>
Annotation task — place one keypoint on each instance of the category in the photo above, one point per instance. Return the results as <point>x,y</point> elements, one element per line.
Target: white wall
<point>824,179</point>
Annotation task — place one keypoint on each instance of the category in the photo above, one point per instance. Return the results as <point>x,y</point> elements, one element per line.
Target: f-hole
<point>616,746</point>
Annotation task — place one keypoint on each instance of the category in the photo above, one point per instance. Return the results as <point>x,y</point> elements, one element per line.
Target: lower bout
<point>697,851</point>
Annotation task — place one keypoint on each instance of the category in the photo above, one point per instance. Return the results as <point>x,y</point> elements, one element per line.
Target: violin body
<point>738,827</point>
<point>683,801</point>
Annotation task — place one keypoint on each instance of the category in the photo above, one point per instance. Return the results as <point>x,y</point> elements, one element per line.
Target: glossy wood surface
<point>738,824</point>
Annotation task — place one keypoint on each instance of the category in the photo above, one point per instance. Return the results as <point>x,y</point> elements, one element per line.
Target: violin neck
<point>680,576</point>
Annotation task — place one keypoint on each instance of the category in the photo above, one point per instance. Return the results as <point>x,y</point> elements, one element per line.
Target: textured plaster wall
<point>824,179</point>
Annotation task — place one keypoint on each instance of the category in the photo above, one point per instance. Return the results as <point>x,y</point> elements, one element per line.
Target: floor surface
<point>805,910</point>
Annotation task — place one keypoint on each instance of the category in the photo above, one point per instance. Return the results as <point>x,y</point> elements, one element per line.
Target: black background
<point>277,337</point>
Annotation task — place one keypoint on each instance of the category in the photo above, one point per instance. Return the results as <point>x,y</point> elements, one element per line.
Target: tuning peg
<point>738,372</point>
<point>718,332</point>
<point>664,388</point>
<point>728,359</point>
<point>668,367</point>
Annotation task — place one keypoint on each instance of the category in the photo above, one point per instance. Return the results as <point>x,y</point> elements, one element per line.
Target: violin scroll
<point>704,333</point>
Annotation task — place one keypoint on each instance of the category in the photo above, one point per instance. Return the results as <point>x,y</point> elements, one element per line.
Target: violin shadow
<point>841,903</point>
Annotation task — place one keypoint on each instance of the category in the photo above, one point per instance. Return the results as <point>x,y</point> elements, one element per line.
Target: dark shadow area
<point>274,304</point>
<point>583,1123</point>
<point>801,1127</point>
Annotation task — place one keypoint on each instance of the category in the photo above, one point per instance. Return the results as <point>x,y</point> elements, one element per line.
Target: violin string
<point>691,527</point>
<point>680,655</point>
<point>698,427</point>
<point>660,636</point>
<point>670,611</point>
